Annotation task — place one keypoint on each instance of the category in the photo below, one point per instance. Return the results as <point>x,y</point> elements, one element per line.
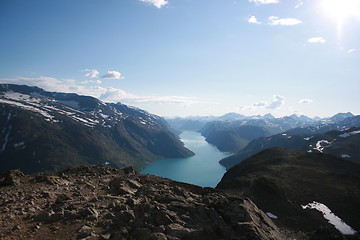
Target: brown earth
<point>104,203</point>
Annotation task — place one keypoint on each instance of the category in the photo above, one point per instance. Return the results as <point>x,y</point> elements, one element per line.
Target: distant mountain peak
<point>341,116</point>
<point>268,116</point>
<point>231,116</point>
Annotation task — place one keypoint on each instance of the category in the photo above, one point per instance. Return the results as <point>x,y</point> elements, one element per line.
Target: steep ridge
<point>46,131</point>
<point>234,139</point>
<point>344,144</point>
<point>281,181</point>
<point>105,203</point>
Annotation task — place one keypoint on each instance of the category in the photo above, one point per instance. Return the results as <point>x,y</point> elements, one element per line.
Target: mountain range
<point>343,144</point>
<point>196,123</point>
<point>51,131</point>
<point>232,132</point>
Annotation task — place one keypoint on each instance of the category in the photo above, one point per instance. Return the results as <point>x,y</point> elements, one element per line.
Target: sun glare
<point>341,9</point>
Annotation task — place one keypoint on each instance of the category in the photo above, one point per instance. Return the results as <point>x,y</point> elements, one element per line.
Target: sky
<point>189,57</point>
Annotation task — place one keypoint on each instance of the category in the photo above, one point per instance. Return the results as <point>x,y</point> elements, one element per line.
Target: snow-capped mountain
<point>343,144</point>
<point>49,131</point>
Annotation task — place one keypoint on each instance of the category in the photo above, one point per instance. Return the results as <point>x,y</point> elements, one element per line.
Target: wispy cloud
<point>317,40</point>
<point>264,1</point>
<point>112,75</point>
<point>92,73</point>
<point>42,82</point>
<point>306,101</point>
<point>114,95</point>
<point>156,3</point>
<point>276,102</point>
<point>274,20</point>
<point>352,50</point>
<point>253,19</point>
<point>299,4</point>
<point>259,104</point>
<point>97,81</point>
<point>107,94</point>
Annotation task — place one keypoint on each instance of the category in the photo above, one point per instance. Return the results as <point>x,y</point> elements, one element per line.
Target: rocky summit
<point>108,203</point>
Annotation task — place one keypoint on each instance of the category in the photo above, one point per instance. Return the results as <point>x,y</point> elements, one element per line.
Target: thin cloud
<point>156,3</point>
<point>259,104</point>
<point>253,19</point>
<point>112,75</point>
<point>276,102</point>
<point>352,50</point>
<point>306,101</point>
<point>274,21</point>
<point>91,81</point>
<point>92,73</point>
<point>317,40</point>
<point>48,83</point>
<point>108,94</point>
<point>299,4</point>
<point>261,2</point>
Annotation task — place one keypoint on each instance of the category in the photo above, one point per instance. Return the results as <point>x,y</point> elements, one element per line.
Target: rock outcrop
<point>107,203</point>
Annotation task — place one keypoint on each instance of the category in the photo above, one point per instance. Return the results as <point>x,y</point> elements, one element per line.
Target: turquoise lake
<point>202,169</point>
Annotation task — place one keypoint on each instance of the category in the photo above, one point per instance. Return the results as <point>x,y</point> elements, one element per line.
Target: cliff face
<point>105,203</point>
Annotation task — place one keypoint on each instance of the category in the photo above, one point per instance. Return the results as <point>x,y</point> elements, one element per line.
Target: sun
<point>341,9</point>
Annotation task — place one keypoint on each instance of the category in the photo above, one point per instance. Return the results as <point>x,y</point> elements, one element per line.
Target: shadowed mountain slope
<point>46,131</point>
<point>280,181</point>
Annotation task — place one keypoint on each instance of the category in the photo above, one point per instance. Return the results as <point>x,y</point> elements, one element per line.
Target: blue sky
<point>189,57</point>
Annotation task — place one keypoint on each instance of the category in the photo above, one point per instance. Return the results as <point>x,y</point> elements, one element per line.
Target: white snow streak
<point>331,217</point>
<point>349,134</point>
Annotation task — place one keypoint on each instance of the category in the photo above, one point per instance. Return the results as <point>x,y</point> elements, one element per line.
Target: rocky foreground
<point>105,203</point>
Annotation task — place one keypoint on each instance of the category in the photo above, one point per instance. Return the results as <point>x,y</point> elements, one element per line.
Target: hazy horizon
<point>189,58</point>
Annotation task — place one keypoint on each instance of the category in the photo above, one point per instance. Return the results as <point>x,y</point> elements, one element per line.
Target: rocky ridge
<point>49,131</point>
<point>108,203</point>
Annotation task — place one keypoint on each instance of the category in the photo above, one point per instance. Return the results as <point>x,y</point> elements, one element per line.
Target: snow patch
<point>344,135</point>
<point>270,215</point>
<point>20,144</point>
<point>331,217</point>
<point>308,138</point>
<point>103,115</point>
<point>322,144</point>
<point>28,107</point>
<point>6,139</point>
<point>345,156</point>
<point>36,94</point>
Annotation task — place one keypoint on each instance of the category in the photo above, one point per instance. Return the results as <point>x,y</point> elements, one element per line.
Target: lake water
<point>203,169</point>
